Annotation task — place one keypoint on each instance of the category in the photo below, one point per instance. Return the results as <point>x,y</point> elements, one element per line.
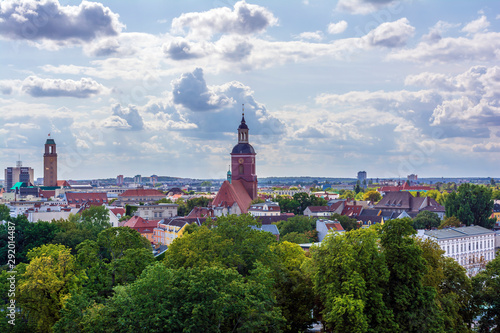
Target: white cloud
<point>391,34</point>
<point>244,19</point>
<point>310,35</point>
<point>48,20</point>
<point>435,32</point>
<point>363,6</point>
<point>337,28</point>
<point>38,87</point>
<point>477,25</point>
<point>479,47</point>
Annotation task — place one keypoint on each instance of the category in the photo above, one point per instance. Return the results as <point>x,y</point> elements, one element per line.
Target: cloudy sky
<point>329,87</point>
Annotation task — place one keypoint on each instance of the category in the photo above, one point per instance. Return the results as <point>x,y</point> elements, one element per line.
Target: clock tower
<point>243,161</point>
<point>50,163</point>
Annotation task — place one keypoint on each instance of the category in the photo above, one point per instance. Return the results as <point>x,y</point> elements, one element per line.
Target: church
<point>240,188</point>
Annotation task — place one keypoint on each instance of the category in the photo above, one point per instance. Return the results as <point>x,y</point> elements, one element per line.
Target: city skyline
<point>329,88</point>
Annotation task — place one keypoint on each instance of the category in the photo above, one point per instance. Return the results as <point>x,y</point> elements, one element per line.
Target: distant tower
<point>50,163</point>
<point>243,160</point>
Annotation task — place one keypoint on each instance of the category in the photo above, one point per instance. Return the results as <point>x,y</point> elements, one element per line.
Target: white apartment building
<point>268,208</point>
<point>472,247</point>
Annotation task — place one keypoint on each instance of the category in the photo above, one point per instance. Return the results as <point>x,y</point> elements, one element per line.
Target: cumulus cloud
<point>363,6</point>
<point>192,92</point>
<point>48,20</point>
<point>477,25</point>
<point>337,28</point>
<point>84,88</point>
<point>310,35</point>
<point>244,19</point>
<point>435,32</point>
<point>391,34</point>
<point>479,47</point>
<point>182,49</point>
<point>127,118</point>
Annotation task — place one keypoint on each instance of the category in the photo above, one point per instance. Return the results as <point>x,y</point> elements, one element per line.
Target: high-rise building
<point>243,161</point>
<point>361,177</point>
<point>18,174</point>
<point>50,163</point>
<point>119,180</point>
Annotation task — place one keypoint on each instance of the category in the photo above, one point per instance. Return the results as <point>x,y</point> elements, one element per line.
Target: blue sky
<point>329,87</point>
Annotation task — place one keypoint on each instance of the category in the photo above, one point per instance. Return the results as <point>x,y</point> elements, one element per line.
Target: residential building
<point>362,178</point>
<point>323,227</point>
<point>472,247</point>
<point>325,211</point>
<point>398,202</point>
<point>140,195</point>
<point>159,211</point>
<point>267,208</point>
<point>272,228</point>
<point>79,199</point>
<point>167,230</point>
<point>143,226</point>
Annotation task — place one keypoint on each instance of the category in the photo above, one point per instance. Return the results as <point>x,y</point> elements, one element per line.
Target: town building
<point>17,174</point>
<point>50,163</point>
<point>323,227</point>
<point>395,203</point>
<point>139,195</point>
<point>472,247</point>
<point>159,211</point>
<point>81,199</point>
<point>267,208</point>
<point>325,211</point>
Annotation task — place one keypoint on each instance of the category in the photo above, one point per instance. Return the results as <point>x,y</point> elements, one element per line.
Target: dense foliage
<point>226,276</point>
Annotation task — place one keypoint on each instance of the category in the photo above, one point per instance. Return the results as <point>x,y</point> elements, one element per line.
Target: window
<point>241,169</point>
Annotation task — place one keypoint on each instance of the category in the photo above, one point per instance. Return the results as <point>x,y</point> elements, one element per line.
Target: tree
<point>206,183</point>
<point>471,204</point>
<point>4,213</point>
<point>49,279</point>
<point>373,196</point>
<point>298,224</point>
<point>346,222</point>
<point>297,238</point>
<point>95,218</point>
<point>27,236</point>
<point>347,194</point>
<point>410,300</point>
<point>209,299</point>
<point>453,287</point>
<point>197,202</point>
<point>426,220</point>
<point>450,222</point>
<point>487,286</point>
<point>293,287</point>
<point>351,280</point>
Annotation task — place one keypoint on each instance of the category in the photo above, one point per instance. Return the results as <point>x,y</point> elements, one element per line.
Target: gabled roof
<point>335,226</point>
<point>231,193</point>
<point>141,192</point>
<point>319,209</point>
<point>80,198</point>
<point>272,228</point>
<point>352,210</point>
<point>140,224</point>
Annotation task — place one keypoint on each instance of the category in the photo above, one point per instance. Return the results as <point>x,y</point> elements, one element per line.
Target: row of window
<point>472,246</point>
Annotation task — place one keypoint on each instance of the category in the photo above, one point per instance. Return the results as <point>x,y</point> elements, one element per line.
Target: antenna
<point>243,109</point>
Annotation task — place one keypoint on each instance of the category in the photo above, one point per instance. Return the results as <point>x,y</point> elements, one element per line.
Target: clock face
<point>240,160</point>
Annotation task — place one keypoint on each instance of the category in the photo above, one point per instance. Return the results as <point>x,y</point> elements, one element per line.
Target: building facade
<point>17,174</point>
<point>159,211</point>
<point>268,208</point>
<point>472,247</point>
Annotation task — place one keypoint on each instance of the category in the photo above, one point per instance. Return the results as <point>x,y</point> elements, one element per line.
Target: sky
<point>329,88</point>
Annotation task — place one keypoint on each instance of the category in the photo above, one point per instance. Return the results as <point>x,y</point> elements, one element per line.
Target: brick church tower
<point>243,161</point>
<point>50,163</point>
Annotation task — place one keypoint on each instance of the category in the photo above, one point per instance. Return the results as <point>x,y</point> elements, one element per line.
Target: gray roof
<point>458,232</point>
<point>272,228</point>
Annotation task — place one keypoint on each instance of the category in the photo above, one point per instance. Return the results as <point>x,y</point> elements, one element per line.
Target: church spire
<point>243,128</point>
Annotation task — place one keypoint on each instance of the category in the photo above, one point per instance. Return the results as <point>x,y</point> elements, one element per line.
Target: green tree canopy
<point>426,220</point>
<point>471,204</point>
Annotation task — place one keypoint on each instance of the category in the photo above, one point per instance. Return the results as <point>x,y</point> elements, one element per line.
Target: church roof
<point>243,148</point>
<point>231,193</point>
<point>243,124</point>
<point>50,142</point>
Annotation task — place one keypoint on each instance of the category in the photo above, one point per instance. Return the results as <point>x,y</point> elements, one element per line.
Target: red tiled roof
<point>336,226</point>
<point>141,225</point>
<point>62,183</point>
<point>230,193</point>
<point>201,212</point>
<point>118,210</point>
<point>47,194</point>
<point>142,193</point>
<point>93,199</point>
<point>352,210</point>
